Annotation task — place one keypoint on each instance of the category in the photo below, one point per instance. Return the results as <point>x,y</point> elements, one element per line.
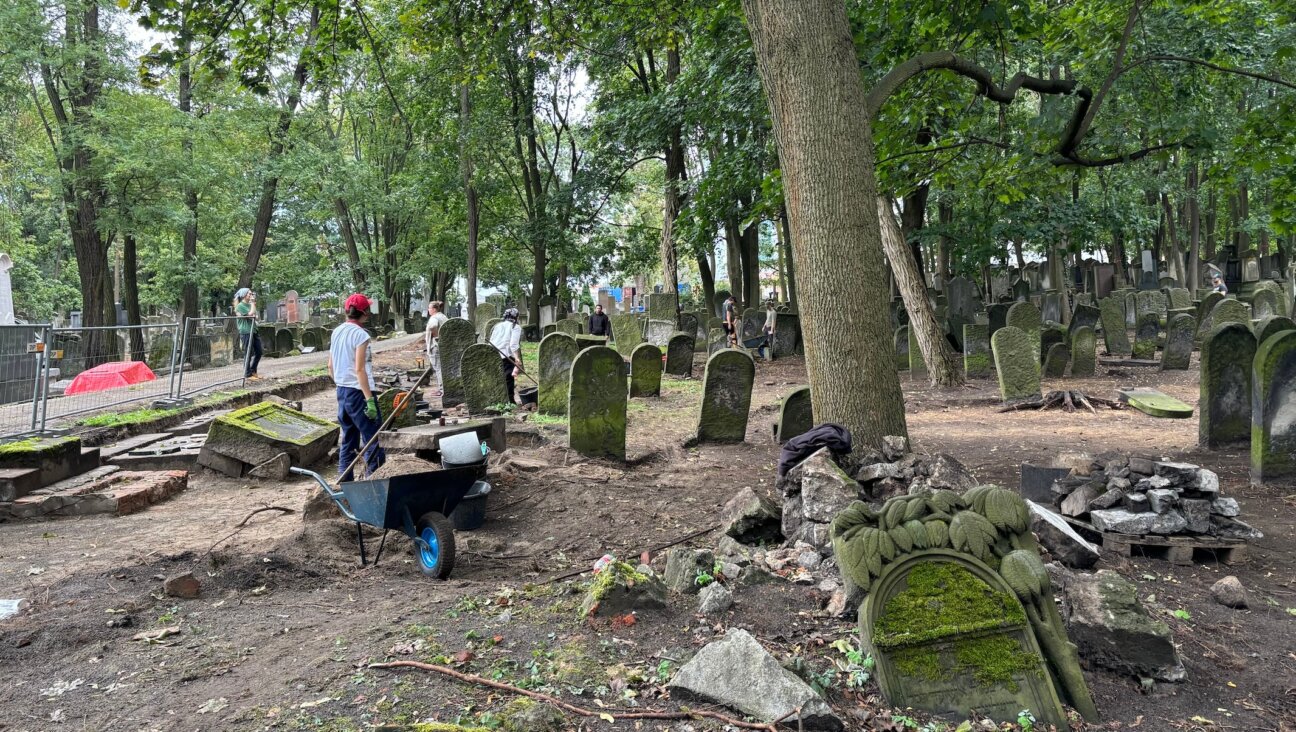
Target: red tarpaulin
<point>110,376</point>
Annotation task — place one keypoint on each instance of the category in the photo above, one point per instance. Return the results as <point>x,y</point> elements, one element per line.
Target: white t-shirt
<point>346,339</point>
<point>507,338</point>
<point>434,323</point>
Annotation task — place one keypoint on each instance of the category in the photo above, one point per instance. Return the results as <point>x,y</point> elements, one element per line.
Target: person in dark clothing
<point>731,321</point>
<point>598,322</point>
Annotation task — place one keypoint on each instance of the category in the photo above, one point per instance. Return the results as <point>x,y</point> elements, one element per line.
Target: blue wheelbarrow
<point>418,504</point>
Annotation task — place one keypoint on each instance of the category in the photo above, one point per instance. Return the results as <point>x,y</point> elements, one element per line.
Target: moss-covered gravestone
<point>1056,360</point>
<point>1085,316</point>
<point>1016,364</point>
<point>626,333</point>
<point>796,416</point>
<point>679,354</point>
<point>998,316</point>
<point>717,339</point>
<point>645,371</point>
<point>960,612</point>
<point>568,326</point>
<point>1178,298</point>
<point>1273,409</point>
<point>1272,326</point>
<point>1224,416</point>
<point>1225,310</point>
<point>976,351</point>
<point>253,435</point>
<point>1208,302</point>
<point>489,325</point>
<point>483,378</point>
<point>285,341</point>
<point>1264,303</point>
<point>663,306</point>
<point>387,405</point>
<point>1115,336</point>
<point>1026,317</point>
<point>1146,334</point>
<point>1050,335</point>
<point>486,311</point>
<point>688,323</point>
<point>1084,352</point>
<point>456,335</point>
<point>312,338</point>
<point>1177,354</point>
<point>596,404</point>
<point>1149,301</point>
<point>557,351</point>
<point>726,396</point>
<point>917,366</point>
<point>902,348</point>
<point>658,332</point>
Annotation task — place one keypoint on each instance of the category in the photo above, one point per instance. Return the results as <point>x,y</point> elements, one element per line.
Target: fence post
<point>177,382</point>
<point>41,356</point>
<point>176,343</point>
<point>43,374</point>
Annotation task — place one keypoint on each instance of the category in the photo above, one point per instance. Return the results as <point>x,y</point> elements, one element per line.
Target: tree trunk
<point>750,249</point>
<point>470,191</point>
<point>1194,232</point>
<point>946,214</point>
<point>270,187</point>
<point>671,196</point>
<point>942,362</point>
<point>130,296</point>
<point>810,73</point>
<point>189,290</point>
<point>787,256</point>
<point>912,217</point>
<point>1174,258</point>
<point>708,282</point>
<point>779,263</point>
<point>347,227</point>
<point>733,260</point>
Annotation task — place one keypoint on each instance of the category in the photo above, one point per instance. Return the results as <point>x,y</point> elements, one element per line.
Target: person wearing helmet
<point>244,302</point>
<point>506,337</point>
<point>350,365</point>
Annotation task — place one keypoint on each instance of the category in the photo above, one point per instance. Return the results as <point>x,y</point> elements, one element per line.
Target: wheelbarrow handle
<point>338,496</point>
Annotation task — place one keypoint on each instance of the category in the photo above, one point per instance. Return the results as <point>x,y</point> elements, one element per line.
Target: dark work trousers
<point>254,359</point>
<point>357,429</point>
<point>507,366</point>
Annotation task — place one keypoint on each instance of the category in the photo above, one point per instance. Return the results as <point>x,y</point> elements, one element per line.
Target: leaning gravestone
<point>596,404</point>
<point>726,397</point>
<point>483,380</point>
<point>1264,303</point>
<point>1016,364</point>
<point>1146,334</point>
<point>976,351</point>
<point>1225,311</point>
<point>488,327</point>
<point>1026,317</point>
<point>1050,335</point>
<point>952,623</point>
<point>796,416</point>
<point>1051,307</point>
<point>1115,336</point>
<point>1208,301</point>
<point>717,339</point>
<point>1179,342</point>
<point>1084,352</point>
<point>663,306</point>
<point>679,354</point>
<point>247,437</point>
<point>1272,326</point>
<point>456,335</point>
<point>688,323</point>
<point>556,353</point>
<point>902,348</point>
<point>917,366</point>
<point>1056,360</point>
<point>625,329</point>
<point>1085,316</point>
<point>486,311</point>
<point>1273,409</point>
<point>645,371</point>
<point>963,301</point>
<point>1178,298</point>
<point>1227,355</point>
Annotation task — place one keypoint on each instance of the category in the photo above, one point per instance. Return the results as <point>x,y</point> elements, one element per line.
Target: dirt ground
<point>288,622</point>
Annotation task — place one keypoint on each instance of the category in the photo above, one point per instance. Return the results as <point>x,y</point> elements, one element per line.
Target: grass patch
<point>682,386</point>
<point>317,371</point>
<point>547,419</point>
<point>121,419</point>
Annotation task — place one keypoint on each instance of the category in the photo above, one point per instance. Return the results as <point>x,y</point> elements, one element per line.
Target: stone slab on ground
<point>1111,628</point>
<point>108,452</point>
<point>199,424</point>
<point>258,433</point>
<point>736,672</point>
<point>55,457</point>
<point>117,492</point>
<point>173,453</point>
<point>427,437</point>
<point>1155,403</point>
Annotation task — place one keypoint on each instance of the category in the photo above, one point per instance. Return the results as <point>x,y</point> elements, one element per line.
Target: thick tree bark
<point>733,260</point>
<point>189,290</point>
<point>278,141</point>
<point>671,196</point>
<point>708,281</point>
<point>912,218</point>
<point>810,73</point>
<point>470,191</point>
<point>130,296</point>
<point>750,250</point>
<point>347,227</point>
<point>946,214</point>
<point>943,366</point>
<point>1194,232</point>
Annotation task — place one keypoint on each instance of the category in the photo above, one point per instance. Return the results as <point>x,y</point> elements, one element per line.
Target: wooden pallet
<point>1182,550</point>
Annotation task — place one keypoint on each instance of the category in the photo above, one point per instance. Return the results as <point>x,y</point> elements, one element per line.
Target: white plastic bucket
<point>463,449</point>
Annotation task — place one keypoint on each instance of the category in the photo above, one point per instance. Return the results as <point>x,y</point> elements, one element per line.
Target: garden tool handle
<point>386,423</point>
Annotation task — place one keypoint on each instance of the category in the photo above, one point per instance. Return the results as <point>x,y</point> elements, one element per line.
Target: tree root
<point>571,708</point>
<point>1064,399</point>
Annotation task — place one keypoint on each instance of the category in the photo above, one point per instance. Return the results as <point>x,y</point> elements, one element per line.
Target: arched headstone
<point>976,351</point>
<point>596,404</point>
<point>387,405</point>
<point>796,416</point>
<point>568,326</point>
<point>556,353</point>
<point>1146,334</point>
<point>483,379</point>
<point>285,342</point>
<point>1225,311</point>
<point>200,350</point>
<point>456,335</point>
<point>1056,360</point>
<point>726,396</point>
<point>1084,352</point>
<point>1115,337</point>
<point>1026,317</point>
<point>1177,354</point>
<point>1050,335</point>
<point>917,366</point>
<point>1224,406</point>
<point>626,333</point>
<point>1273,409</point>
<point>1265,304</point>
<point>717,339</point>
<point>489,325</point>
<point>1016,364</point>
<point>679,354</point>
<point>645,371</point>
<point>1207,303</point>
<point>1272,326</point>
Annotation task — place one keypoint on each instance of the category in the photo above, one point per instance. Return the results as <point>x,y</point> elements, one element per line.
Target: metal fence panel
<point>212,354</point>
<point>21,354</point>
<point>77,382</point>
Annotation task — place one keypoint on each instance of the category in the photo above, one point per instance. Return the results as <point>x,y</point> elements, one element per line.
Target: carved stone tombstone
<point>679,354</point>
<point>726,396</point>
<point>1026,316</point>
<point>1115,336</point>
<point>456,335</point>
<point>976,351</point>
<point>795,415</point>
<point>960,612</point>
<point>556,353</point>
<point>1084,352</point>
<point>902,348</point>
<point>1273,409</point>
<point>1146,335</point>
<point>596,404</point>
<point>1177,354</point>
<point>1225,311</point>
<point>1224,406</point>
<point>1016,364</point>
<point>645,371</point>
<point>917,366</point>
<point>483,380</point>
<point>1272,326</point>
<point>1056,360</point>
<point>626,333</point>
<point>291,312</point>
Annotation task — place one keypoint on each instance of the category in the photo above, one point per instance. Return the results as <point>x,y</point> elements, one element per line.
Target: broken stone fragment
<point>184,586</point>
<point>1077,504</point>
<point>276,468</point>
<point>618,589</point>
<point>1230,593</point>
<point>1136,503</point>
<point>894,447</point>
<point>1110,499</point>
<point>1061,541</point>
<point>1112,629</point>
<point>1142,466</point>
<point>946,472</point>
<point>1118,484</point>
<point>751,518</point>
<point>1225,507</point>
<point>1207,482</point>
<point>1231,528</point>
<point>877,471</point>
<point>1120,521</point>
<point>684,565</point>
<point>1156,482</point>
<point>1197,513</point>
<point>714,599</point>
<point>1161,500</point>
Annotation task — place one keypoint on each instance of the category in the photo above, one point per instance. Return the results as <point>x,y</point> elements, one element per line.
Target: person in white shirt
<point>506,337</point>
<point>350,365</point>
<point>431,339</point>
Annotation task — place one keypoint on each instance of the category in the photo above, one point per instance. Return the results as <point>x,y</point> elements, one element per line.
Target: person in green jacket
<point>244,301</point>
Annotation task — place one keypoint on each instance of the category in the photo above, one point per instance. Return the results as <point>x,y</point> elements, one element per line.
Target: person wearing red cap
<point>351,367</point>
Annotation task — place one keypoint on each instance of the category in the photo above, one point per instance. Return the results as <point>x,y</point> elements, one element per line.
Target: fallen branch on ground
<point>1065,399</point>
<point>571,708</point>
<point>243,525</point>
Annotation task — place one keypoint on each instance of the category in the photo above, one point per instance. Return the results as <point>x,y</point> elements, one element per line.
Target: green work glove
<point>371,408</point>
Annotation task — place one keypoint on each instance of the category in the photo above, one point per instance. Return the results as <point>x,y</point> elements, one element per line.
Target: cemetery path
<point>287,620</point>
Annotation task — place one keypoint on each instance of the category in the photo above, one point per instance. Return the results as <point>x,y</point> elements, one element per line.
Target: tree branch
<point>1207,64</point>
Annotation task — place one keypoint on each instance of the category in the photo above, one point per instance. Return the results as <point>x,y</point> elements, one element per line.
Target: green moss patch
<point>35,445</point>
<point>944,599</point>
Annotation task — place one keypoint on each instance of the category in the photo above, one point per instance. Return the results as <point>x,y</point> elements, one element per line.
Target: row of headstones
<point>280,341</point>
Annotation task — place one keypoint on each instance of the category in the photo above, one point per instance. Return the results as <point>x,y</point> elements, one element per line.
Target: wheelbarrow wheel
<point>437,558</point>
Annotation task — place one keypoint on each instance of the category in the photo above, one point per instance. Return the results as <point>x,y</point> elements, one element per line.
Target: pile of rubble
<point>1137,496</point>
